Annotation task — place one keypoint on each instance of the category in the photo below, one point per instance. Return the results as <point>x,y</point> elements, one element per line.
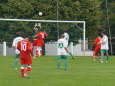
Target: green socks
<point>59,64</point>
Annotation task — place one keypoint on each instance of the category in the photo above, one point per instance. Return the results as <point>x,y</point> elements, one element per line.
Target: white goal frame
<point>51,21</point>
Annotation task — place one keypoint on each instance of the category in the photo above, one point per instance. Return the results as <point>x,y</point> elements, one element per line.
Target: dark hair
<point>61,36</point>
<point>38,27</point>
<point>18,34</point>
<point>99,34</point>
<point>26,36</point>
<point>103,32</point>
<point>65,30</point>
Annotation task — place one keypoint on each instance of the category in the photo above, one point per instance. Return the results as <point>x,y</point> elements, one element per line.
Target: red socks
<point>22,72</point>
<point>36,52</point>
<point>28,69</point>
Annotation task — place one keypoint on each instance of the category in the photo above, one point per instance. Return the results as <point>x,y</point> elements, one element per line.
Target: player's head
<point>103,33</point>
<point>26,37</point>
<point>65,30</point>
<point>62,36</point>
<point>18,34</point>
<point>36,28</point>
<point>99,35</point>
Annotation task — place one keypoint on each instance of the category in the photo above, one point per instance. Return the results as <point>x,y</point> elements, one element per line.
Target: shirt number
<point>60,45</point>
<point>23,46</point>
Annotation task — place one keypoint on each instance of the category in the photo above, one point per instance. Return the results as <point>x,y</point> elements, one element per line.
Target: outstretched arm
<point>69,53</point>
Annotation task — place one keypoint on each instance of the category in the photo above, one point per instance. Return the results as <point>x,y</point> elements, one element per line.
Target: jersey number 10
<point>23,46</point>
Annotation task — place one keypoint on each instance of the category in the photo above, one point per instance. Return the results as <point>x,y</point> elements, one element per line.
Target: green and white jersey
<point>61,45</point>
<point>35,33</point>
<point>66,37</point>
<point>15,43</point>
<point>104,43</point>
<point>16,40</point>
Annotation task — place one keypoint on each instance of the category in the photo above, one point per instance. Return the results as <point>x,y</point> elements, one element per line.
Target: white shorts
<point>17,51</point>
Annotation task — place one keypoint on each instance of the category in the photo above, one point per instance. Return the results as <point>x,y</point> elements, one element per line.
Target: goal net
<point>76,29</point>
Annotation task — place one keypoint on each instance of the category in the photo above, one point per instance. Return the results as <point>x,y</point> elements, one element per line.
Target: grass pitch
<point>82,72</point>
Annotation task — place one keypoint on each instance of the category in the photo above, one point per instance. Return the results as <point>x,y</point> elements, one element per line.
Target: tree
<point>86,10</point>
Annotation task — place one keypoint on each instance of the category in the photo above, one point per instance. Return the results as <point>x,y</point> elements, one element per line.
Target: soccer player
<point>17,39</point>
<point>62,52</point>
<point>97,48</point>
<point>104,48</point>
<point>40,41</point>
<point>66,37</point>
<point>36,29</point>
<point>25,48</point>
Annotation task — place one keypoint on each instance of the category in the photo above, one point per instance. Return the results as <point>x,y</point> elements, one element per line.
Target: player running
<point>97,48</point>
<point>104,48</point>
<point>62,52</point>
<point>17,39</point>
<point>25,48</point>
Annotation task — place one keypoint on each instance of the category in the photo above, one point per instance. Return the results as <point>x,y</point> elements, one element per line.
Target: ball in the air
<point>40,13</point>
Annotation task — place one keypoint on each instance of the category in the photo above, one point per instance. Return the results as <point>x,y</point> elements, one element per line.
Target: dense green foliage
<point>91,11</point>
<point>81,72</point>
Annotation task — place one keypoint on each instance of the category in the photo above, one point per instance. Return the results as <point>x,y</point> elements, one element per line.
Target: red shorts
<point>97,50</point>
<point>26,61</point>
<point>40,43</point>
<point>34,42</point>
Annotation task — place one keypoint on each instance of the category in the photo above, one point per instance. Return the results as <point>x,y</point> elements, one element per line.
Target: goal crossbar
<point>35,20</point>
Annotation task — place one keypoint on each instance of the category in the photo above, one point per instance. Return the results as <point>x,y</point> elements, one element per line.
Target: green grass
<point>81,72</point>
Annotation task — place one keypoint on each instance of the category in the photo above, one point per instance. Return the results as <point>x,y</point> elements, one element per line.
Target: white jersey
<point>104,43</point>
<point>66,37</point>
<point>61,45</point>
<point>15,42</point>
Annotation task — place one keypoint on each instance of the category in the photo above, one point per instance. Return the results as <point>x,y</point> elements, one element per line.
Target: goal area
<point>76,30</point>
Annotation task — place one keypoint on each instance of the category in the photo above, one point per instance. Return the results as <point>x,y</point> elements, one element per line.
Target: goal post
<point>52,21</point>
<point>4,48</point>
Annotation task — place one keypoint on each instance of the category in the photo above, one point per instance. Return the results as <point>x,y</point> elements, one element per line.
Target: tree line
<point>94,12</point>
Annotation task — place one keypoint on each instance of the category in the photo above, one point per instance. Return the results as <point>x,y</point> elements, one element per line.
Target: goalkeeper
<point>62,52</point>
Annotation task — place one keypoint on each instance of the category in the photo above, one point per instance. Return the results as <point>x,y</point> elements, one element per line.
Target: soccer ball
<point>40,13</point>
